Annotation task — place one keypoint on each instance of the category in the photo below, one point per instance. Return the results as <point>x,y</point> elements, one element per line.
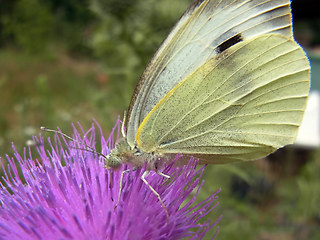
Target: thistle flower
<point>66,193</point>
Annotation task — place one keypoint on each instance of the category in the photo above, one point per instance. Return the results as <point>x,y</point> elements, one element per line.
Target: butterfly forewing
<point>206,30</point>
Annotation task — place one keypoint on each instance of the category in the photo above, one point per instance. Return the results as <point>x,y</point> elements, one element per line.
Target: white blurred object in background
<point>309,131</point>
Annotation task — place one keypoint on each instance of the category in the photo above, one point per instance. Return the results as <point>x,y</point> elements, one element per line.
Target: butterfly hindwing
<point>240,105</point>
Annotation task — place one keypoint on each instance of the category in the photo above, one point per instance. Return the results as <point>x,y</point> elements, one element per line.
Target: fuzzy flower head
<point>66,193</point>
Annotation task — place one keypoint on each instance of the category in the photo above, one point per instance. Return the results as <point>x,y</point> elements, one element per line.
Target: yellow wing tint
<point>241,105</point>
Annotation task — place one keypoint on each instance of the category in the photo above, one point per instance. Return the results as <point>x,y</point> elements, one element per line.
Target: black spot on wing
<point>228,43</point>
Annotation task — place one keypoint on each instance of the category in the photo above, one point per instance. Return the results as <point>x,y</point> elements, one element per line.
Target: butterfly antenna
<point>123,122</point>
<point>74,140</point>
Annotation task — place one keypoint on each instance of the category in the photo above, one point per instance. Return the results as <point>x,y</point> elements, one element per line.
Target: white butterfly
<point>228,84</point>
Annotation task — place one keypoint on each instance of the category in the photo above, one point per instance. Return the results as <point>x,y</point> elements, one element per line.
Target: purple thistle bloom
<point>66,193</point>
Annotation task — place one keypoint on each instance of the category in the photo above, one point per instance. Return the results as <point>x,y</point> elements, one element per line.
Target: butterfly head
<point>113,161</point>
<point>117,156</point>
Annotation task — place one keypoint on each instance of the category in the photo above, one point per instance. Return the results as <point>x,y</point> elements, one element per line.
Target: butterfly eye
<point>113,161</point>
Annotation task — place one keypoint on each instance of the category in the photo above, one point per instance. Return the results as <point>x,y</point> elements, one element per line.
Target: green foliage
<point>30,25</point>
<point>74,22</point>
<point>128,33</point>
<point>34,25</point>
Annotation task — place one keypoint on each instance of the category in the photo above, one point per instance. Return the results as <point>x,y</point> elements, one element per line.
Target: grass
<point>52,90</point>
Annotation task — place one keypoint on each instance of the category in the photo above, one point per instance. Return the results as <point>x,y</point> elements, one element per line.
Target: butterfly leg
<point>162,174</point>
<point>121,185</point>
<point>143,178</point>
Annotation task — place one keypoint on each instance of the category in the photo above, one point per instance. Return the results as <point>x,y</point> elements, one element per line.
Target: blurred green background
<point>64,61</point>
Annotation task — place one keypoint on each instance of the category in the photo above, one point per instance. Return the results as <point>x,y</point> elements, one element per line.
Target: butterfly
<point>228,84</point>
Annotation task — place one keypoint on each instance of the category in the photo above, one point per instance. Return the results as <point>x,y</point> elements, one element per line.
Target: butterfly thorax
<point>123,153</point>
